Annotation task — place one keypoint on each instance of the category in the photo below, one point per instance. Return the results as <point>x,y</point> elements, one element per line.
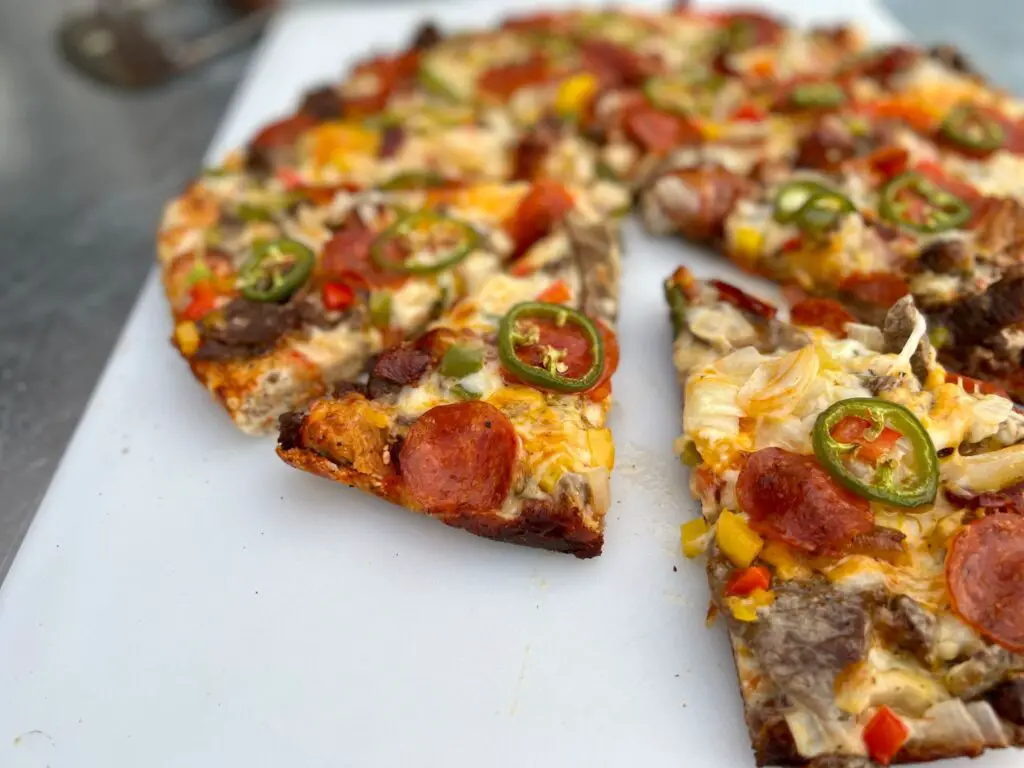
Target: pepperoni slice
<point>879,289</point>
<point>283,133</point>
<point>790,497</point>
<point>749,29</point>
<point>714,192</point>
<point>974,386</point>
<point>578,356</point>
<point>458,458</point>
<point>742,300</point>
<point>1009,499</point>
<point>504,80</point>
<point>543,207</point>
<point>984,573</point>
<point>346,256</point>
<point>887,63</point>
<point>615,65</point>
<point>822,313</point>
<point>659,132</point>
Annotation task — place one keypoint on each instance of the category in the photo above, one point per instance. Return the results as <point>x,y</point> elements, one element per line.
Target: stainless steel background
<point>83,174</point>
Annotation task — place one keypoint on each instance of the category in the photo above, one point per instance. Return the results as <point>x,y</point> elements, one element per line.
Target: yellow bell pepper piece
<point>336,144</point>
<point>553,471</point>
<point>602,449</point>
<point>735,538</point>
<point>187,336</point>
<point>745,608</point>
<point>787,566</point>
<point>575,92</point>
<point>748,243</point>
<point>694,537</point>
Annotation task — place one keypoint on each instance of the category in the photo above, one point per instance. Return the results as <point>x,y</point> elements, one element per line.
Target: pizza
<point>274,309</point>
<point>493,421</point>
<point>862,521</point>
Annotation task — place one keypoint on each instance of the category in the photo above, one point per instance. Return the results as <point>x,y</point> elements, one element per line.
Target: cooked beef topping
<point>246,328</point>
<point>810,634</point>
<point>391,141</point>
<point>973,677</point>
<point>1007,699</point>
<point>946,257</point>
<point>900,322</point>
<point>534,147</point>
<point>953,58</point>
<point>396,368</point>
<point>427,36</point>
<point>323,103</point>
<point>973,319</point>
<point>905,624</point>
<point>592,248</point>
<point>290,426</point>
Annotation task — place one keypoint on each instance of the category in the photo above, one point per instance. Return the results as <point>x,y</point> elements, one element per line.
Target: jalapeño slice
<point>817,95</point>
<point>521,332</point>
<point>973,128</point>
<point>423,243</point>
<point>917,203</point>
<point>812,207</point>
<point>275,270</point>
<point>921,484</point>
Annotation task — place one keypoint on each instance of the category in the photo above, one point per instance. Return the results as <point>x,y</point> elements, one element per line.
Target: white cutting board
<point>185,599</point>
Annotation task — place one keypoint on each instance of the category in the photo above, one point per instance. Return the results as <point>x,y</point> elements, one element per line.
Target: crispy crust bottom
<point>540,524</point>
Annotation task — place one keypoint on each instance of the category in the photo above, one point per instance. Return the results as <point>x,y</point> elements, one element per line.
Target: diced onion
<point>985,472</point>
<point>778,385</point>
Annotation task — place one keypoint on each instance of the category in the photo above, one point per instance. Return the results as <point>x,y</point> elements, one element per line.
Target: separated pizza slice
<point>864,529</point>
<point>494,421</point>
<point>273,310</point>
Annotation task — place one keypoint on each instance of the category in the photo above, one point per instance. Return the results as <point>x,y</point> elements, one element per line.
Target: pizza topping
<point>551,346</point>
<point>1010,499</point>
<point>459,458</point>
<point>916,202</point>
<point>544,207</point>
<point>822,313</point>
<point>461,360</point>
<point>657,131</point>
<point>810,206</point>
<point>502,81</point>
<point>416,180</point>
<point>973,128</point>
<point>688,94</point>
<point>743,300</point>
<point>346,257</point>
<point>868,430</point>
<point>743,581</point>
<point>745,29</point>
<point>884,735</point>
<point>814,95</point>
<point>337,296</point>
<point>615,65</point>
<point>984,568</point>
<point>398,367</point>
<point>876,289</point>
<point>423,243</point>
<point>275,270</point>
<point>789,497</point>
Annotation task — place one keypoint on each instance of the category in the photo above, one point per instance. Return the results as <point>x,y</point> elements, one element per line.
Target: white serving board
<point>184,599</point>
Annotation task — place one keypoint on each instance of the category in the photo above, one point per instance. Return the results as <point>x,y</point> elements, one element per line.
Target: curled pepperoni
<point>711,194</point>
<point>887,63</point>
<point>543,208</point>
<point>504,80</point>
<point>659,132</point>
<point>790,497</point>
<point>283,133</point>
<point>822,313</point>
<point>458,458</point>
<point>346,257</point>
<point>615,65</point>
<point>749,29</point>
<point>742,300</point>
<point>877,289</point>
<point>984,572</point>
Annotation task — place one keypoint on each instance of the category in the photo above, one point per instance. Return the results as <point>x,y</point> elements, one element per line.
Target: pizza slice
<point>494,420</point>
<point>863,524</point>
<point>273,310</point>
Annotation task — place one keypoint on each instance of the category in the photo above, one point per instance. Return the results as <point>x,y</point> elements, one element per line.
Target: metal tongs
<point>118,44</point>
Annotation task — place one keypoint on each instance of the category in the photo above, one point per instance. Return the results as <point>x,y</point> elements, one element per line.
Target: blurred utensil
<point>118,44</point>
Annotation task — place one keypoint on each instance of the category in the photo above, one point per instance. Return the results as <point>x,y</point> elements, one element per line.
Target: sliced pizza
<point>863,524</point>
<point>494,420</point>
<point>273,310</point>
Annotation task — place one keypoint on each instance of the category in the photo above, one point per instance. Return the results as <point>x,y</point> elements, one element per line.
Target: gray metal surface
<point>83,174</point>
